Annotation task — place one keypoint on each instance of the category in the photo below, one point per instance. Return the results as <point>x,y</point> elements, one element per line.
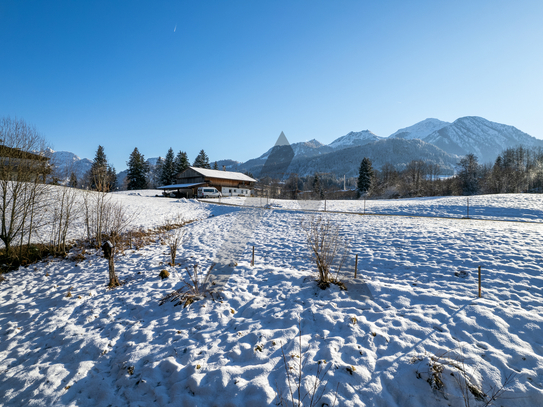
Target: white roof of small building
<point>238,176</point>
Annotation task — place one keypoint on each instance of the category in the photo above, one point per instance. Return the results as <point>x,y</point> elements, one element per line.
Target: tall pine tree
<point>365,175</point>
<point>73,180</point>
<point>202,160</point>
<point>137,171</point>
<point>317,187</point>
<point>181,162</point>
<point>111,178</point>
<point>98,173</point>
<point>155,173</point>
<point>168,169</point>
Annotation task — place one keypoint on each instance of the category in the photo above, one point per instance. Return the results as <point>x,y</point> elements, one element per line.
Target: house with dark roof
<point>229,183</point>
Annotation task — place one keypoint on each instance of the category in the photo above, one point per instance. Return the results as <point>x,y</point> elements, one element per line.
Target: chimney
<point>224,167</point>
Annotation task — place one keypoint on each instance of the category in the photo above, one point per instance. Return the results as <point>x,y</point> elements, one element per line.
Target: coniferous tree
<point>317,187</point>
<point>137,171</point>
<point>155,173</point>
<point>181,162</point>
<point>168,169</point>
<point>98,173</point>
<point>468,174</point>
<point>73,180</point>
<point>202,160</point>
<point>365,175</point>
<point>215,166</point>
<point>111,178</point>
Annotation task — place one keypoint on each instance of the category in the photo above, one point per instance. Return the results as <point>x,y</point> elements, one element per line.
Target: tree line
<point>515,170</point>
<point>141,174</point>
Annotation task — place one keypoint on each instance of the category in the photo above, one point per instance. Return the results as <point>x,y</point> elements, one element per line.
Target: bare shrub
<point>94,210</point>
<point>193,288</point>
<point>118,220</point>
<point>65,211</point>
<point>327,249</point>
<point>294,370</point>
<point>173,235</point>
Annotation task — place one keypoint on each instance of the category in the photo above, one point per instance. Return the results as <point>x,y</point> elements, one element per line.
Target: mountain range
<point>431,140</point>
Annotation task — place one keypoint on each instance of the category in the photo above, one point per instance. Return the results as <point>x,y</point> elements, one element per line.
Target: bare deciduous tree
<point>118,221</point>
<point>65,210</point>
<point>23,168</point>
<point>97,212</point>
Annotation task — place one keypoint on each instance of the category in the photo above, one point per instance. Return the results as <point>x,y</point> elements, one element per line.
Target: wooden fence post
<point>364,205</point>
<point>479,281</point>
<point>355,266</point>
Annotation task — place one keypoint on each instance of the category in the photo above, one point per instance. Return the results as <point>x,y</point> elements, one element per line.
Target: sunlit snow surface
<point>512,207</point>
<point>422,273</point>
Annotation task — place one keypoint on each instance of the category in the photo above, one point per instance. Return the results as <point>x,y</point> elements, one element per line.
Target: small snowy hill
<point>420,130</point>
<point>354,139</point>
<point>481,137</point>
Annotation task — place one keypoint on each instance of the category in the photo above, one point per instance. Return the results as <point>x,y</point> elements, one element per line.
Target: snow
<point>117,347</point>
<point>231,175</point>
<point>509,207</point>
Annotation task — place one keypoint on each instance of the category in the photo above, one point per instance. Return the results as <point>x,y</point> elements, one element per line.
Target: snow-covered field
<point>513,207</point>
<point>117,347</point>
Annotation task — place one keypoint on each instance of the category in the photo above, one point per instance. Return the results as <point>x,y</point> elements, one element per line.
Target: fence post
<point>479,281</point>
<point>364,205</point>
<point>355,266</point>
<point>468,208</point>
<point>253,260</point>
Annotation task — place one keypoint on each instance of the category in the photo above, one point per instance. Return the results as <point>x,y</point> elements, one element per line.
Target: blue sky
<point>229,76</point>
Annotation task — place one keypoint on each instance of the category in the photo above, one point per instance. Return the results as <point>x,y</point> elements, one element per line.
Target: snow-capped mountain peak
<point>65,162</point>
<point>420,130</point>
<point>354,138</point>
<point>485,139</point>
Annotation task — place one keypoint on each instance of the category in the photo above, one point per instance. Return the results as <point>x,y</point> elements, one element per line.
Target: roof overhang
<point>180,186</point>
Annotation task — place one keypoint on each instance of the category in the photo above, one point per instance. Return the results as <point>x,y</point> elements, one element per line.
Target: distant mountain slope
<point>420,130</point>
<point>346,161</point>
<point>479,136</point>
<point>398,152</point>
<point>65,163</point>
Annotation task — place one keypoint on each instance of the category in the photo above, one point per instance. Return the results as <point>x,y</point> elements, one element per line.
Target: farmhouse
<point>229,183</point>
<point>17,164</point>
